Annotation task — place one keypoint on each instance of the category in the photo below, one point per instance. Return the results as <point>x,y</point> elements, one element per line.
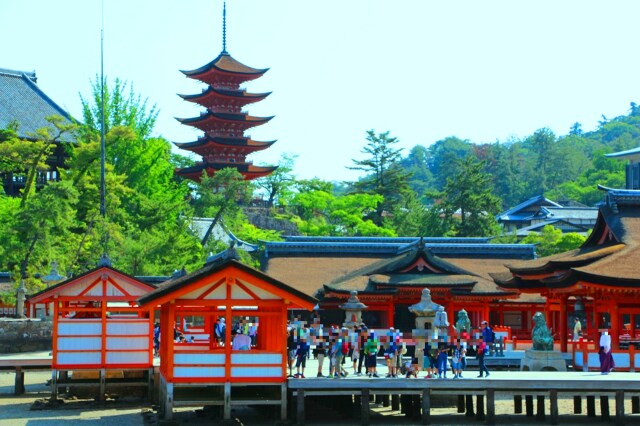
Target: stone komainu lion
<point>541,336</point>
<point>463,323</point>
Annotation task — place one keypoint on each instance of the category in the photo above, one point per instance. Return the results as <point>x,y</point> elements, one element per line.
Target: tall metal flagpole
<point>103,210</point>
<point>104,259</point>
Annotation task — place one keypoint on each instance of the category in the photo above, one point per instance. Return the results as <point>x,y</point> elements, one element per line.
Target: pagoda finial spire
<point>224,27</point>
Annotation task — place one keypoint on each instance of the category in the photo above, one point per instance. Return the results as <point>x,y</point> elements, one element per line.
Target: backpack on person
<point>345,348</point>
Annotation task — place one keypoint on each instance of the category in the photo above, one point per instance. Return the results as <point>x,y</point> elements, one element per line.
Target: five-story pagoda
<point>224,122</point>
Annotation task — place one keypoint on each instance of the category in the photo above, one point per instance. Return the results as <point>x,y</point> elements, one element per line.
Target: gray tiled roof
<point>22,100</point>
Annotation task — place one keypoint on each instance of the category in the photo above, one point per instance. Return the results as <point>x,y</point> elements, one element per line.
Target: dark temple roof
<point>23,101</point>
<point>609,257</point>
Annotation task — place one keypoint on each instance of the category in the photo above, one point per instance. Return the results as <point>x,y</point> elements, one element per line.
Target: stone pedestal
<point>534,360</point>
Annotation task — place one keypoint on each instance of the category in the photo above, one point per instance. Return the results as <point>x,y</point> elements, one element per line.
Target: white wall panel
<point>258,358</point>
<point>256,372</point>
<point>79,327</point>
<point>79,343</point>
<point>82,358</point>
<point>127,327</point>
<point>127,357</point>
<point>127,343</point>
<point>188,358</point>
<point>198,372</point>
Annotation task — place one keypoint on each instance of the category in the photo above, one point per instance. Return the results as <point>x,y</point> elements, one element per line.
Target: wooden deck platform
<point>516,385</point>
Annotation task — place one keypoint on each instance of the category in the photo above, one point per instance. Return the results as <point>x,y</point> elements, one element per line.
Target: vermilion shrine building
<point>389,275</point>
<point>599,282</point>
<point>232,291</point>
<point>99,326</point>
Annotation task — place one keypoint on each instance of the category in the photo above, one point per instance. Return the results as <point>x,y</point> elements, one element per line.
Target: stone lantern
<point>425,312</point>
<point>52,278</point>
<point>21,297</point>
<point>353,310</point>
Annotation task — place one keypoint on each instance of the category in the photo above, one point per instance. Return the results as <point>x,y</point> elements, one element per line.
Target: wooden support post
<point>619,407</point>
<point>426,406</point>
<point>553,406</point>
<point>168,401</point>
<point>517,404</point>
<point>395,402</point>
<point>604,407</point>
<point>405,405</point>
<point>416,402</point>
<point>226,412</point>
<point>18,388</point>
<point>591,406</point>
<point>460,403</point>
<point>635,404</point>
<point>480,407</point>
<point>300,407</point>
<point>364,407</point>
<point>283,401</point>
<point>54,384</point>
<point>577,405</point>
<point>491,407</point>
<point>540,408</point>
<point>103,384</point>
<point>470,410</point>
<point>528,404</point>
<point>385,400</point>
<point>150,381</point>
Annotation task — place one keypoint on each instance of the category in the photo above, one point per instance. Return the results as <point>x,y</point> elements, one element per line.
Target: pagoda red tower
<point>224,122</point>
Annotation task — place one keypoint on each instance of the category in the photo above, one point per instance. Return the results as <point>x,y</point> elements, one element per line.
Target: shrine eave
<point>610,281</point>
<point>225,63</point>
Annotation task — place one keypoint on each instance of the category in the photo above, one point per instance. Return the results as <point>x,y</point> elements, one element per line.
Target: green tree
<point>384,174</point>
<point>26,157</point>
<point>219,196</point>
<point>278,185</point>
<point>444,156</point>
<point>552,241</point>
<point>120,109</point>
<point>469,197</point>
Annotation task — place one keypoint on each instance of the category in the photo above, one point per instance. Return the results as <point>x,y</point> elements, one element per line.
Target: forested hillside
<point>558,166</point>
<point>451,187</point>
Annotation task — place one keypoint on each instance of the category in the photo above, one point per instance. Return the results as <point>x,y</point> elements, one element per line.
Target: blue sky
<point>421,69</point>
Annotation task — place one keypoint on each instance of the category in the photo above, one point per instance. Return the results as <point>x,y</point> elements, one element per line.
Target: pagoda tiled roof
<point>23,101</point>
<point>224,116</point>
<point>226,63</point>
<point>236,94</point>
<point>219,140</point>
<point>247,169</point>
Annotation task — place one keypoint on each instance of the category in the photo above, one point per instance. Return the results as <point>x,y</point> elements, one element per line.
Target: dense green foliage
<point>452,187</point>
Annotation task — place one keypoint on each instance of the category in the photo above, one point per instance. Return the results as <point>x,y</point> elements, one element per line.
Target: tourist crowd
<point>362,350</point>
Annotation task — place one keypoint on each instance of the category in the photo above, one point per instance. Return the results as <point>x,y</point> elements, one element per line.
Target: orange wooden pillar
<point>615,324</point>
<point>563,323</point>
